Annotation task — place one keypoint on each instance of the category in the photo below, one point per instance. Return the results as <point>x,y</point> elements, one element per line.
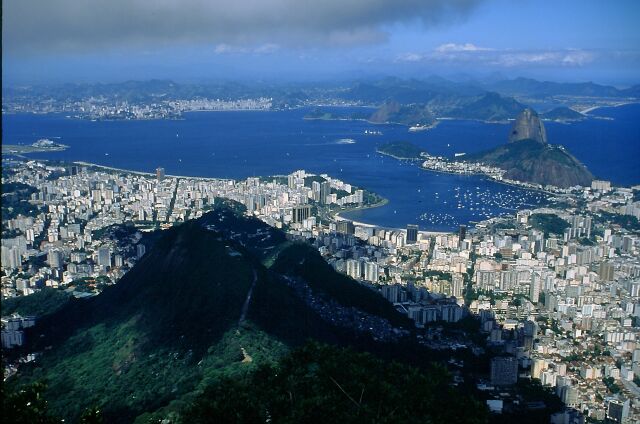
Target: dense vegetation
<point>548,223</point>
<point>173,325</point>
<point>628,222</point>
<point>43,302</point>
<point>171,341</point>
<point>530,161</point>
<point>15,201</point>
<point>325,115</point>
<point>401,150</point>
<point>319,384</point>
<point>392,112</point>
<point>563,114</point>
<point>489,107</point>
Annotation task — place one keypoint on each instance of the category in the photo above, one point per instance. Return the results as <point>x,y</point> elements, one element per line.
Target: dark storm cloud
<point>34,26</point>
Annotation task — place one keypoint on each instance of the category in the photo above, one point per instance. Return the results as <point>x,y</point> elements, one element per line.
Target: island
<point>42,145</point>
<point>416,116</point>
<point>323,115</point>
<point>401,150</point>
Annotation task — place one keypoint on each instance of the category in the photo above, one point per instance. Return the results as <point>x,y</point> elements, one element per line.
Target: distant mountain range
<point>534,88</point>
<point>437,93</point>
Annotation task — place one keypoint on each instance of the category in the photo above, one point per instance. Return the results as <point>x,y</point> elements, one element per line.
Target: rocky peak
<point>528,126</point>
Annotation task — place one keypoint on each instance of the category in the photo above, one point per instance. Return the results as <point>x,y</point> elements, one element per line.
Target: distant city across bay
<point>262,143</point>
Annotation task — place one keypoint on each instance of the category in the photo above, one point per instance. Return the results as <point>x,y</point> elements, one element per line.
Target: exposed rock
<point>527,157</point>
<point>528,126</point>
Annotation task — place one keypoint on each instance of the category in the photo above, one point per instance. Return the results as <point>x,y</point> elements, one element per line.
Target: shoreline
<point>398,157</point>
<point>129,171</point>
<point>337,217</point>
<point>468,174</point>
<point>592,108</point>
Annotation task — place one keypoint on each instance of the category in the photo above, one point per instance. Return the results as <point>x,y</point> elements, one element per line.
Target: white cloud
<point>467,47</point>
<point>409,57</point>
<point>578,58</point>
<point>233,49</point>
<point>555,57</point>
<point>267,48</point>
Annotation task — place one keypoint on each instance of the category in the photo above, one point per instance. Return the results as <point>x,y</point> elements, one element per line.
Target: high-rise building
<point>504,370</point>
<point>371,271</point>
<point>605,271</point>
<point>325,191</point>
<point>534,288</point>
<point>345,227</point>
<point>354,268</point>
<point>457,285</point>
<point>160,174</point>
<point>104,257</point>
<point>412,234</point>
<point>462,233</point>
<point>11,257</point>
<point>315,191</point>
<point>601,185</point>
<point>140,250</point>
<point>300,213</point>
<point>291,181</point>
<point>617,410</point>
<point>54,258</point>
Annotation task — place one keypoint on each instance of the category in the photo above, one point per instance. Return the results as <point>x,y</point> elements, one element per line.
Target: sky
<point>53,41</point>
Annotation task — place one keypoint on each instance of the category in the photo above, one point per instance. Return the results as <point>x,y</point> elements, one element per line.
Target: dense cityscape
<point>284,211</point>
<point>554,290</point>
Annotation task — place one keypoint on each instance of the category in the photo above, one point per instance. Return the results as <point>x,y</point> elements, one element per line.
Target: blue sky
<point>191,40</point>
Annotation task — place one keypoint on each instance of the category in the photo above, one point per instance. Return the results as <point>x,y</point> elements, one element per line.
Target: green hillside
<point>392,112</point>
<point>175,326</point>
<point>563,114</point>
<point>401,150</point>
<point>530,161</point>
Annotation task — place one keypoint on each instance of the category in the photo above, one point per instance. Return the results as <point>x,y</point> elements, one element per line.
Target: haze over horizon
<point>287,40</point>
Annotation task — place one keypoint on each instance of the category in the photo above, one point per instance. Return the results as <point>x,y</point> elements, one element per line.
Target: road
<point>245,307</point>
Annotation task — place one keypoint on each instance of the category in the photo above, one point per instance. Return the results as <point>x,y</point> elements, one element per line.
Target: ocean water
<point>242,144</point>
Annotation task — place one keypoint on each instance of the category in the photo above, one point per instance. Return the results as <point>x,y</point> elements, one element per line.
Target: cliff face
<point>527,157</point>
<point>528,126</point>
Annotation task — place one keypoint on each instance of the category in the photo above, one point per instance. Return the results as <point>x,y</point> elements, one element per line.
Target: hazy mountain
<point>489,107</point>
<point>534,88</point>
<point>563,114</point>
<point>393,112</point>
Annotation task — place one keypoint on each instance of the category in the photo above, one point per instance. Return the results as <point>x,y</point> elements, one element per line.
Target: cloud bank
<point>469,53</point>
<point>36,26</point>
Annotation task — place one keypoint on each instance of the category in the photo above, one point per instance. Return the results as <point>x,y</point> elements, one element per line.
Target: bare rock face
<point>528,126</point>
